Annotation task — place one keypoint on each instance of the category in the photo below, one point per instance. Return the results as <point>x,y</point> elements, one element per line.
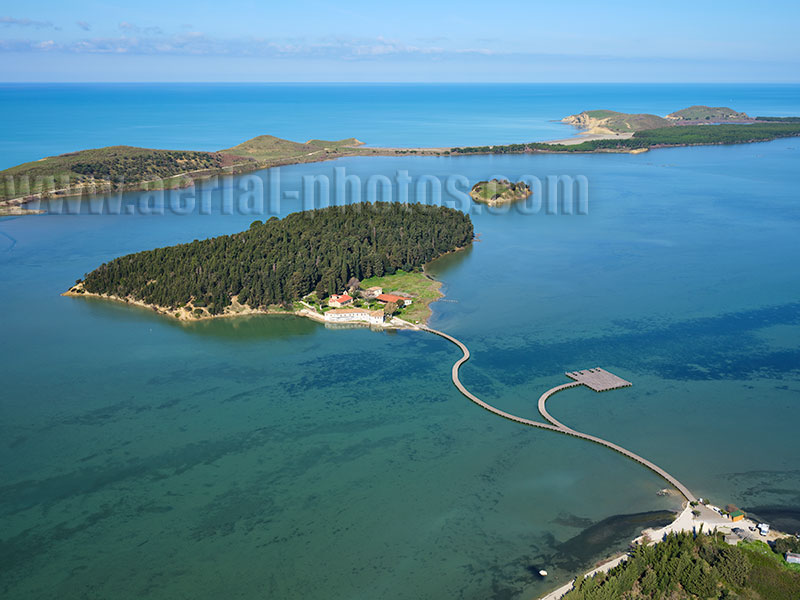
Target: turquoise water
<point>46,119</point>
<point>271,457</point>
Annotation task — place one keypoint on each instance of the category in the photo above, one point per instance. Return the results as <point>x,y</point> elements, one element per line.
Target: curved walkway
<point>555,425</point>
<point>543,398</point>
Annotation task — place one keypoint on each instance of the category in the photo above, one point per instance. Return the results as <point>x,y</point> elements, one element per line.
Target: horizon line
<point>488,82</point>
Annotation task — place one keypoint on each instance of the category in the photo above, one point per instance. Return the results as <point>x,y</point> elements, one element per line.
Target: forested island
<point>274,264</point>
<point>701,566</point>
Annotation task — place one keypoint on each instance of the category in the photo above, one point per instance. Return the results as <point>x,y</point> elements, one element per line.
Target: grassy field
<point>771,577</point>
<point>423,290</point>
<point>269,147</point>
<point>626,123</point>
<point>760,548</point>
<point>486,190</point>
<point>706,113</point>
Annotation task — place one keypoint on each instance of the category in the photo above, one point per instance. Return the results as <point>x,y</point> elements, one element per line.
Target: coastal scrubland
<point>694,567</point>
<point>125,166</point>
<point>707,113</point>
<point>269,147</point>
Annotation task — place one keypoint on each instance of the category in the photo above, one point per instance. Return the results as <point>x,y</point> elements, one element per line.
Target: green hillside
<point>707,113</point>
<point>269,147</point>
<point>627,123</point>
<point>123,165</point>
<point>128,167</point>
<point>701,567</point>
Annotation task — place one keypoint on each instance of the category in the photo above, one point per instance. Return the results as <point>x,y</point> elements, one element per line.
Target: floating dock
<point>598,379</point>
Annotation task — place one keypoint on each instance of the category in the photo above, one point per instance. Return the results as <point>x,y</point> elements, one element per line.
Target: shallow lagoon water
<point>271,457</point>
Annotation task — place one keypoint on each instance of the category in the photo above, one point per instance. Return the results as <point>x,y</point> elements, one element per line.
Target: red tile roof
<point>392,298</point>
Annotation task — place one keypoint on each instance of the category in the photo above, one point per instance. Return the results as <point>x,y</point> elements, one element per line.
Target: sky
<point>413,40</point>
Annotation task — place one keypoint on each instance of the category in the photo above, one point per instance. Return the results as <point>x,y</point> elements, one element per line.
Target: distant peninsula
<point>612,122</point>
<point>499,191</point>
<point>612,131</point>
<point>126,168</point>
<point>306,263</point>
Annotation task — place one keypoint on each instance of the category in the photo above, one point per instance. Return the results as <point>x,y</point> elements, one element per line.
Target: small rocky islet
<point>499,191</point>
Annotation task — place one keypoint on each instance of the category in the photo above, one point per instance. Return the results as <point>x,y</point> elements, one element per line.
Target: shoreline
<point>587,136</point>
<point>685,521</point>
<point>188,178</point>
<point>185,314</point>
<point>184,180</point>
<point>239,310</point>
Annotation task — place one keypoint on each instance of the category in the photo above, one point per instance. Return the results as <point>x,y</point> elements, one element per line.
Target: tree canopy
<point>284,259</point>
<point>700,566</point>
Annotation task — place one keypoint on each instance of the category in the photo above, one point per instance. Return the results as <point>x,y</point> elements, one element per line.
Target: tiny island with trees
<point>292,265</point>
<point>499,191</point>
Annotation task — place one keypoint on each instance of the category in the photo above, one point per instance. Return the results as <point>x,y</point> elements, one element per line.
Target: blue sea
<point>270,457</point>
<point>47,119</point>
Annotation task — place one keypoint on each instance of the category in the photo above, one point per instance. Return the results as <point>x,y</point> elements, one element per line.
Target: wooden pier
<point>600,381</point>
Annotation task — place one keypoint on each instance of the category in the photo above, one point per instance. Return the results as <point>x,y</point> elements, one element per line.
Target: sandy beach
<point>587,137</point>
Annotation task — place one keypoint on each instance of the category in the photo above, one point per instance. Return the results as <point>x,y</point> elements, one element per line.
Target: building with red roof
<point>399,300</point>
<point>339,300</point>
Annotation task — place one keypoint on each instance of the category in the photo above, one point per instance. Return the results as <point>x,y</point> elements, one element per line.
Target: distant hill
<point>269,147</point>
<point>609,121</point>
<point>612,122</point>
<point>119,164</point>
<point>129,167</point>
<point>707,113</point>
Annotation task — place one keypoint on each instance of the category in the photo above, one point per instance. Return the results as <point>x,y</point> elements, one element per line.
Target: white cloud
<point>83,25</point>
<point>133,28</point>
<point>151,41</point>
<point>146,40</point>
<point>8,21</point>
